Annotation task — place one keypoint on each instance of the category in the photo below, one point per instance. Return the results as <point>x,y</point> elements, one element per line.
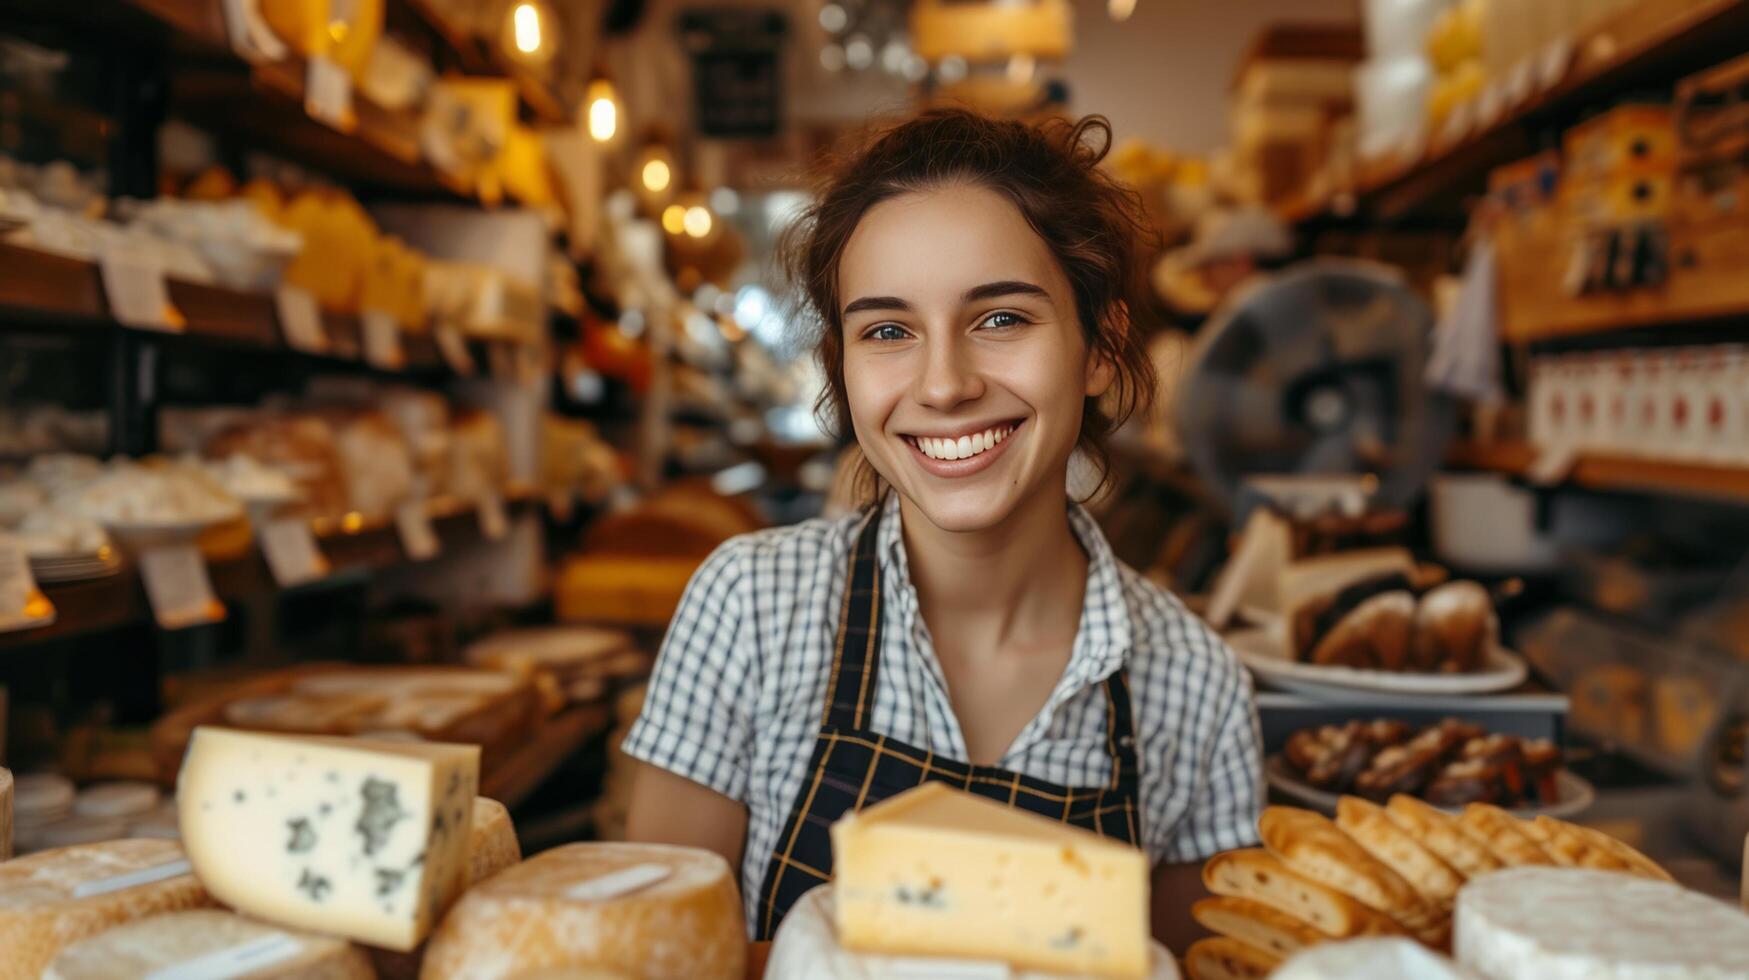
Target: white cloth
<point>736,698</point>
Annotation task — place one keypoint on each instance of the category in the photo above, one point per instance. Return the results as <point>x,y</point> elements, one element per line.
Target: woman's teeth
<point>964,447</point>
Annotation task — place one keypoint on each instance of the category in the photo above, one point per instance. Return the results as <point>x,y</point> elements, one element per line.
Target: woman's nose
<point>948,377</point>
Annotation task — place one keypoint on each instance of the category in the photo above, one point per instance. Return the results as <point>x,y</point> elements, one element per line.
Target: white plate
<point>1576,793</point>
<point>1261,649</point>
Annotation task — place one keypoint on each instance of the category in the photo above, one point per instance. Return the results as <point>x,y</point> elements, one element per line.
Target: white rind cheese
<point>937,872</point>
<point>1573,924</point>
<point>206,944</point>
<point>807,948</point>
<point>51,899</point>
<point>671,912</point>
<point>1370,959</point>
<point>362,839</point>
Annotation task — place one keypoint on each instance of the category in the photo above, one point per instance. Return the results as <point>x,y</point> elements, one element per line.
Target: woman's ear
<point>1101,371</point>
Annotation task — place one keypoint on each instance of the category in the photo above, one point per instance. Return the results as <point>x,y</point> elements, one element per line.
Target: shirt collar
<point>1102,639</point>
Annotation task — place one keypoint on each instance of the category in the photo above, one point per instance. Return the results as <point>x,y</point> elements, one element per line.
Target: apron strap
<point>1120,730</point>
<point>856,657</point>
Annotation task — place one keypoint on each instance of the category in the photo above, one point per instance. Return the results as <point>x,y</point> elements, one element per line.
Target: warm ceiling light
<point>656,176</point>
<point>697,221</point>
<point>603,110</point>
<point>1121,10</point>
<point>674,219</point>
<point>526,21</point>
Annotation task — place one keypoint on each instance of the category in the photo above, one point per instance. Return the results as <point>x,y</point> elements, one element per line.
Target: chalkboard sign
<point>737,70</point>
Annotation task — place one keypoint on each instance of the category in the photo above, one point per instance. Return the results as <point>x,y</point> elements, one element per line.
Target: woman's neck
<point>1015,586</point>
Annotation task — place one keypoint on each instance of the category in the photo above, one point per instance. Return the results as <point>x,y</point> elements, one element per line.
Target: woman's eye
<point>1002,320</point>
<point>886,331</point>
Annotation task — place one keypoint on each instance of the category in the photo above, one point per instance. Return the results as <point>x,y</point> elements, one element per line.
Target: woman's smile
<point>973,451</point>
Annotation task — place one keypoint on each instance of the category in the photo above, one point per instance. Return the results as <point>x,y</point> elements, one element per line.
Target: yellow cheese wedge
<point>55,898</point>
<point>646,910</point>
<point>209,943</point>
<point>937,872</point>
<point>359,838</point>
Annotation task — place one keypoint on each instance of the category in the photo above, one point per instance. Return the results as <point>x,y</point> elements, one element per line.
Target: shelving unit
<point>1649,44</point>
<point>351,547</point>
<point>1619,473</point>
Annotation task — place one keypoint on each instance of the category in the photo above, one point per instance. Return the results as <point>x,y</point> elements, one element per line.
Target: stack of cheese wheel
<point>208,943</point>
<point>1393,870</point>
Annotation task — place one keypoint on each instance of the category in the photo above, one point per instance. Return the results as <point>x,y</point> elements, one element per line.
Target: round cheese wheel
<point>209,938</point>
<point>646,910</point>
<point>42,796</point>
<point>117,800</point>
<point>806,948</point>
<point>58,897</point>
<point>1576,924</point>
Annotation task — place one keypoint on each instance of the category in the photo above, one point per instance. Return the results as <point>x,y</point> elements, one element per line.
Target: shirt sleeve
<point>695,721</point>
<point>1223,812</point>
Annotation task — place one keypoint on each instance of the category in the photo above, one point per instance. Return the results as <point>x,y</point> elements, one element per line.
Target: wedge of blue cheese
<point>351,837</point>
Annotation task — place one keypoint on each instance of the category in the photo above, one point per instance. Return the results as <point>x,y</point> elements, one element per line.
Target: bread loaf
<point>1258,875</point>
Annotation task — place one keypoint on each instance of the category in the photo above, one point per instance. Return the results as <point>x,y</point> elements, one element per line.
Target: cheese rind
<point>688,924</point>
<point>255,950</point>
<point>358,838</point>
<point>51,899</point>
<point>1573,924</point>
<point>807,948</point>
<point>938,872</point>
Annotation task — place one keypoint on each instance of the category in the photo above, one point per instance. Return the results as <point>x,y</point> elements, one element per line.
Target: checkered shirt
<point>736,699</point>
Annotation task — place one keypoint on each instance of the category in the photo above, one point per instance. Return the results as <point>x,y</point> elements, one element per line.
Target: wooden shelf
<point>358,546</point>
<point>1619,473</point>
<point>1647,45</point>
<point>554,741</point>
<point>476,58</point>
<point>39,288</point>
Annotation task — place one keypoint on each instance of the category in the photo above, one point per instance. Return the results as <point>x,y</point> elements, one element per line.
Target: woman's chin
<point>965,510</point>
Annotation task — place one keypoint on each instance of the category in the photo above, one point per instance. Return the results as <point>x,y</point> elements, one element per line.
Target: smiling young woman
<point>968,281</point>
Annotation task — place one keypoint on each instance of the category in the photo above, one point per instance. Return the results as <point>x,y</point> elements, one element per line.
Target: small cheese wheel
<point>51,899</point>
<point>208,937</point>
<point>43,796</point>
<point>5,814</point>
<point>562,909</point>
<point>111,800</point>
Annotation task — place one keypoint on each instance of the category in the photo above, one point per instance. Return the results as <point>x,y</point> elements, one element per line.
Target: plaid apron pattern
<point>852,767</point>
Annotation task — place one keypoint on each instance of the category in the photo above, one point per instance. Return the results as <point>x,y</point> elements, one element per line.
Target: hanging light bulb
<point>525,26</point>
<point>1121,10</point>
<point>656,174</point>
<point>528,34</point>
<point>674,219</point>
<point>697,221</point>
<point>602,109</point>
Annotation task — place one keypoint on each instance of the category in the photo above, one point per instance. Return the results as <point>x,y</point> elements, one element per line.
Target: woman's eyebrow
<point>875,303</point>
<point>1007,287</point>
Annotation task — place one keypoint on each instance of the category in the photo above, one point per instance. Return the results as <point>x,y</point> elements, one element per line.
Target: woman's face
<point>964,359</point>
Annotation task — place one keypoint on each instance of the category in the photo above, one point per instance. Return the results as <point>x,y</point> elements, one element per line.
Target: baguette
<point>1498,831</point>
<point>1224,958</point>
<point>1439,833</point>
<point>1256,874</point>
<point>1252,922</point>
<point>1317,849</point>
<point>1620,855</point>
<point>1425,871</point>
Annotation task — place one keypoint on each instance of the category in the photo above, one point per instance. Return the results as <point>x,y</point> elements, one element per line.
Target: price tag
<point>418,537</point>
<point>1521,82</point>
<point>619,883</point>
<point>328,94</point>
<point>1492,104</point>
<point>1459,124</point>
<point>494,520</point>
<point>22,605</point>
<point>291,552</point>
<point>251,37</point>
<point>1553,465</point>
<point>454,348</point>
<point>1552,64</point>
<point>138,294</point>
<point>382,341</point>
<point>301,320</point>
<point>178,587</point>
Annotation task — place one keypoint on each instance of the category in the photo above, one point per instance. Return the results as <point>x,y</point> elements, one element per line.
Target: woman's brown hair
<point>1092,224</point>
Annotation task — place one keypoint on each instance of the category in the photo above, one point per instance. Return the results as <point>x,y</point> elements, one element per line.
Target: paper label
<point>178,587</point>
<point>1521,82</point>
<point>138,294</point>
<point>301,320</point>
<point>1459,124</point>
<point>22,605</point>
<point>619,883</point>
<point>454,348</point>
<point>1492,104</point>
<point>328,94</point>
<point>418,537</point>
<point>239,960</point>
<point>290,549</point>
<point>251,37</point>
<point>382,341</point>
<point>1552,64</point>
<point>1553,465</point>
<point>133,879</point>
<point>494,521</point>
